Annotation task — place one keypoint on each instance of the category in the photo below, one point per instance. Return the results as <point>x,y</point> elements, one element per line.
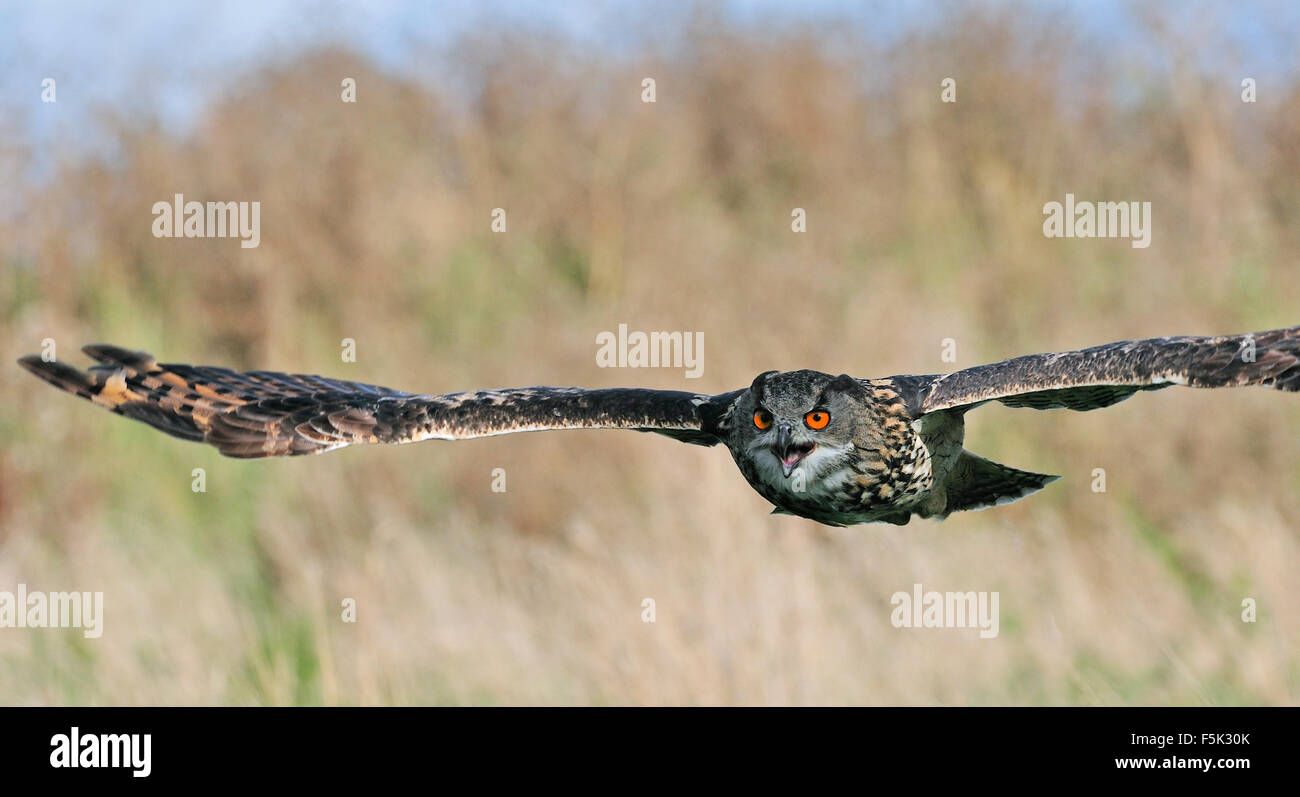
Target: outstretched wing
<point>268,414</point>
<point>1103,375</point>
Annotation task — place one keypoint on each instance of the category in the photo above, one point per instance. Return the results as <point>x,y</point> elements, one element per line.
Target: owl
<point>839,450</point>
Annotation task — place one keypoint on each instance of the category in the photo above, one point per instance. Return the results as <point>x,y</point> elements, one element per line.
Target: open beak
<point>789,452</point>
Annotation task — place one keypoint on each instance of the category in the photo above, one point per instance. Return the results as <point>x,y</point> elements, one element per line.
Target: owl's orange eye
<point>817,419</point>
<point>762,420</point>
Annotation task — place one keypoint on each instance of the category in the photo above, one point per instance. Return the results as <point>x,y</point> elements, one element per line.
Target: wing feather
<point>1104,375</point>
<point>267,413</point>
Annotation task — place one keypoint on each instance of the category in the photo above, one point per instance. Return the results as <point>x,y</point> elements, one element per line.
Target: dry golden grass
<point>924,224</point>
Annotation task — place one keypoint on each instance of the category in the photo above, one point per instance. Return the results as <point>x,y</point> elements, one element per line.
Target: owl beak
<point>789,452</point>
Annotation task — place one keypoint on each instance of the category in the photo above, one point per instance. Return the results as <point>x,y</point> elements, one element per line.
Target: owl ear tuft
<point>759,383</point>
<point>841,384</point>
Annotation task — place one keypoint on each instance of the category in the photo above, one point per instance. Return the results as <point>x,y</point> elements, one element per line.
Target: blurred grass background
<point>924,223</point>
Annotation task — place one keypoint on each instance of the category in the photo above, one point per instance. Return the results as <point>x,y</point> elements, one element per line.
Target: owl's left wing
<point>1104,375</point>
<point>267,414</point>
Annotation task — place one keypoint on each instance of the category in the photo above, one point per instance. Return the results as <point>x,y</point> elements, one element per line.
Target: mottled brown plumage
<point>887,448</point>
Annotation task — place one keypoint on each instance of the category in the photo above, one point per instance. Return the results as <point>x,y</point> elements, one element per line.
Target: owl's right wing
<point>267,414</point>
<point>1104,375</point>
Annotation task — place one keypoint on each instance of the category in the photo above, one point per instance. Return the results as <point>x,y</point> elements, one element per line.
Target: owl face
<point>797,422</point>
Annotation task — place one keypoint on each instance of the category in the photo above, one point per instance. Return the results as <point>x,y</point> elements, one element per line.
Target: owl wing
<point>268,414</point>
<point>1104,375</point>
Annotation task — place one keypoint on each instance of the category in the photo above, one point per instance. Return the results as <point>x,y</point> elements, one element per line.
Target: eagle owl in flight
<point>836,449</point>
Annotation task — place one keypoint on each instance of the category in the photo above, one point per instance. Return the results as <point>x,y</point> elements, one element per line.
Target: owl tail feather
<point>978,483</point>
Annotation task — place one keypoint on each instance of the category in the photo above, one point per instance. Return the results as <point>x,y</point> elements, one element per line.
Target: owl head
<point>797,420</point>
